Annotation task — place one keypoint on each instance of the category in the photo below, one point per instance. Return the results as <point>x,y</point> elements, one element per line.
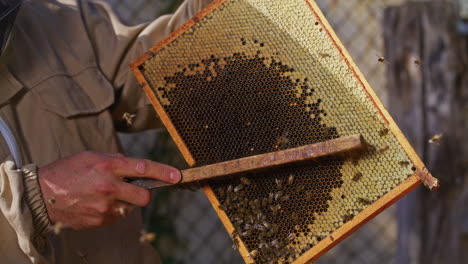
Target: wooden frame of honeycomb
<point>319,80</point>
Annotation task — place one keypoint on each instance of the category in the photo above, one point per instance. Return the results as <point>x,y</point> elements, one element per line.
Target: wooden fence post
<point>428,94</point>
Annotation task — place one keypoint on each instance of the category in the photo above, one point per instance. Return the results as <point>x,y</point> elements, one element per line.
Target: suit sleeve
<point>117,45</point>
<point>22,207</point>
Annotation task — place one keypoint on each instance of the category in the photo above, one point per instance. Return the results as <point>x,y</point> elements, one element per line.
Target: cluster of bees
<point>250,220</point>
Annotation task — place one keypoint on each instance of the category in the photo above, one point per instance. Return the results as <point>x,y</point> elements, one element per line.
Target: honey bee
<point>128,118</point>
<point>246,233</point>
<point>357,176</point>
<point>284,198</point>
<point>436,139</point>
<point>279,184</point>
<point>383,149</point>
<point>404,163</point>
<point>282,141</point>
<point>122,211</point>
<point>278,195</point>
<point>253,253</point>
<point>235,244</point>
<point>51,200</point>
<point>221,192</point>
<point>275,208</point>
<point>245,181</point>
<point>324,55</point>
<point>300,188</point>
<point>274,228</point>
<point>418,62</point>
<point>364,201</point>
<point>291,179</point>
<point>347,218</point>
<point>274,243</point>
<point>291,237</point>
<point>383,132</point>
<point>294,216</point>
<point>147,238</point>
<point>83,257</point>
<point>238,188</point>
<point>58,227</point>
<point>381,59</point>
<point>259,227</point>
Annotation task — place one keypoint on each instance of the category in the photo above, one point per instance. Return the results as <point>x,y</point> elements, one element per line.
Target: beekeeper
<point>65,90</point>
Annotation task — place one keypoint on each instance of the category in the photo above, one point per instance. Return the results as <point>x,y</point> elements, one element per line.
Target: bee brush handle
<point>263,161</point>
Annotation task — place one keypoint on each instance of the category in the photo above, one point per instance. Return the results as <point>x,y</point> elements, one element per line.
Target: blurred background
<point>422,97</point>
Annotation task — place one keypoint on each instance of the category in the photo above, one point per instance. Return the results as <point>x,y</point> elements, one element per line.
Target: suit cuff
<point>34,200</point>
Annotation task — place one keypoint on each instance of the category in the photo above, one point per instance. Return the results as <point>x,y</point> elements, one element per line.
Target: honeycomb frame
<point>419,173</point>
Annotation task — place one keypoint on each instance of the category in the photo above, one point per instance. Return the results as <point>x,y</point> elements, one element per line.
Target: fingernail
<point>140,167</point>
<point>174,176</point>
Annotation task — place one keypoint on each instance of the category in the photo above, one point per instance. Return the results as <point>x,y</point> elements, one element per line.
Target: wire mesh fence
<point>186,225</point>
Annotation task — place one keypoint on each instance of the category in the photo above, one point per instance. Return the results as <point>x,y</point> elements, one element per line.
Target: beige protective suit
<point>64,87</point>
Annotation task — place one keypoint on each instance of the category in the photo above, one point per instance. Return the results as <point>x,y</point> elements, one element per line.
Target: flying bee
<point>123,211</point>
<point>58,228</point>
<point>291,179</point>
<point>383,132</point>
<point>147,238</point>
<point>383,149</point>
<point>436,139</point>
<point>357,176</point>
<point>381,59</point>
<point>83,257</point>
<point>404,163</point>
<point>128,118</point>
<point>282,141</point>
<point>245,181</point>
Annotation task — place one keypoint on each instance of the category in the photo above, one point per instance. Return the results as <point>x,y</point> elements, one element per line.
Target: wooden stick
<point>263,161</point>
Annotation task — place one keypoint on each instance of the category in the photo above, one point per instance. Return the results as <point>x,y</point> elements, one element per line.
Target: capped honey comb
<point>247,77</point>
